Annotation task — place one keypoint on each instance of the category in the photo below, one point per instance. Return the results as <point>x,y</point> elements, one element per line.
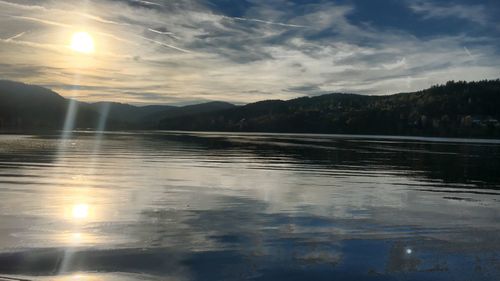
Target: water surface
<point>209,206</point>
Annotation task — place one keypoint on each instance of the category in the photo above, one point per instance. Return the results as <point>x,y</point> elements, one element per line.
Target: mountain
<point>453,109</point>
<point>187,110</point>
<point>147,117</point>
<point>126,116</point>
<point>127,112</point>
<point>28,107</point>
<point>467,109</point>
<point>25,106</point>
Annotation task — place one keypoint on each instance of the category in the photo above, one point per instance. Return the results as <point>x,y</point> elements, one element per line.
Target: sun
<point>82,42</point>
<point>80,211</point>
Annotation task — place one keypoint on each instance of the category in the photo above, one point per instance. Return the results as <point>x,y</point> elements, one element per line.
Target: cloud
<point>15,36</point>
<point>399,64</point>
<point>167,45</point>
<point>44,9</point>
<point>468,52</point>
<point>163,32</point>
<point>181,51</point>
<point>147,3</point>
<point>474,13</point>
<point>22,6</point>
<point>264,22</point>
<point>48,22</point>
<point>47,47</point>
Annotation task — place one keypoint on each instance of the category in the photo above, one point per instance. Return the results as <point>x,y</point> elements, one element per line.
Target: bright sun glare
<point>80,211</point>
<point>82,42</point>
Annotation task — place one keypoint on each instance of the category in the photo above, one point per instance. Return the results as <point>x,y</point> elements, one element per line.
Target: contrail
<point>36,7</point>
<point>468,52</point>
<point>160,32</point>
<point>147,3</point>
<point>116,37</point>
<point>167,45</point>
<point>170,34</point>
<point>102,20</point>
<point>21,6</point>
<point>48,22</point>
<point>15,36</point>
<point>54,48</point>
<point>264,22</point>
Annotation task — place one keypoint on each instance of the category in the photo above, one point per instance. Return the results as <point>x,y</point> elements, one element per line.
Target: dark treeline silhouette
<point>126,116</point>
<point>468,109</point>
<point>29,107</point>
<point>454,109</point>
<point>32,107</point>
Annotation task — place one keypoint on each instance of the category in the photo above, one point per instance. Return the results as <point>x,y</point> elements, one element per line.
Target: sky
<point>241,51</point>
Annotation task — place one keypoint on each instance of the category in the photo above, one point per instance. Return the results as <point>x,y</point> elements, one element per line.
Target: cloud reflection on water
<point>253,207</point>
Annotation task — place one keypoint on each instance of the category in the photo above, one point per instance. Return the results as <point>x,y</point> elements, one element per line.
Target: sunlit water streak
<point>159,206</point>
<point>65,141</point>
<point>80,211</point>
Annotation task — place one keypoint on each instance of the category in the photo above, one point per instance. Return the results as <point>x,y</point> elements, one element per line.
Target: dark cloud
<point>308,89</point>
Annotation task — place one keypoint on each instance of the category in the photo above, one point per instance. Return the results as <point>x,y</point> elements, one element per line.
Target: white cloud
<point>398,64</point>
<point>183,50</point>
<point>473,13</point>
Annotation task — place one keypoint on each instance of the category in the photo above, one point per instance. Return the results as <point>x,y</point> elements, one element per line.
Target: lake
<point>215,206</point>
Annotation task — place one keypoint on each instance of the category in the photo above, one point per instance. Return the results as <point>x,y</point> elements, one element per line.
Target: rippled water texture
<point>205,206</point>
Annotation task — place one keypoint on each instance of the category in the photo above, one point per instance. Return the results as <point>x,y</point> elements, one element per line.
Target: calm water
<point>171,206</point>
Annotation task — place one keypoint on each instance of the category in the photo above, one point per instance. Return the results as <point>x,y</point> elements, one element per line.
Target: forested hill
<point>29,107</point>
<point>467,109</point>
<point>454,109</point>
<point>26,107</point>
